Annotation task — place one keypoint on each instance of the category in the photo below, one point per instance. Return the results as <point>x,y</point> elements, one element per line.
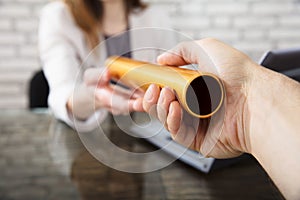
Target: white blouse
<point>63,48</point>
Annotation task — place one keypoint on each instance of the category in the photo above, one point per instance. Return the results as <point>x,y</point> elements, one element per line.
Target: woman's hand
<point>114,98</point>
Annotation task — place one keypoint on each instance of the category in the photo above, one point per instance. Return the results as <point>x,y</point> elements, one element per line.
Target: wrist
<point>81,104</point>
<point>70,109</point>
<point>259,103</point>
<point>268,103</point>
<point>274,102</point>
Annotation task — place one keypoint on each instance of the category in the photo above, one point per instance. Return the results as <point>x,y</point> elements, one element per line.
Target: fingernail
<point>162,96</point>
<point>171,110</point>
<point>135,105</point>
<point>159,58</point>
<point>149,94</point>
<point>138,105</point>
<point>169,88</point>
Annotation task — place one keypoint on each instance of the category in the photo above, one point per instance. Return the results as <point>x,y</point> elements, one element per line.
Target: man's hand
<point>233,68</point>
<point>261,113</point>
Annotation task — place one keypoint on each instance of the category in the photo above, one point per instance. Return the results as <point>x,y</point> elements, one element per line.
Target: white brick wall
<point>252,26</point>
<point>18,50</point>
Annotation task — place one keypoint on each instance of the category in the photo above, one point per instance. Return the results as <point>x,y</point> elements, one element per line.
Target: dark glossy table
<point>41,158</point>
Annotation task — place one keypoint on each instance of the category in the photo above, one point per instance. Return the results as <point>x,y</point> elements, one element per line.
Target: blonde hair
<point>88,15</point>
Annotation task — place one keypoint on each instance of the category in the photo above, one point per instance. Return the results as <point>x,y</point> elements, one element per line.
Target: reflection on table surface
<point>41,158</point>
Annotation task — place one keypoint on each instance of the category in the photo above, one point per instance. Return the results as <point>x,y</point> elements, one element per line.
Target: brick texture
<point>250,25</point>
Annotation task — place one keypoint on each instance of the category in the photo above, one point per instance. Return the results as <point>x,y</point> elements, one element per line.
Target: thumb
<point>191,52</point>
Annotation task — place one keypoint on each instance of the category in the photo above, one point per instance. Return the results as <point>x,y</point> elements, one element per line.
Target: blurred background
<point>252,26</point>
<point>41,158</point>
